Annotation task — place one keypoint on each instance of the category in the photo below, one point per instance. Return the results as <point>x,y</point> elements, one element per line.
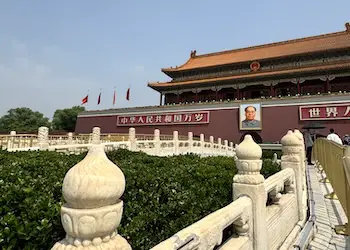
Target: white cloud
<point>27,81</point>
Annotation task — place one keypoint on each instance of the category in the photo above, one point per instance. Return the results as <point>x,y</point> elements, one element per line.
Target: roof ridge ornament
<point>347,26</point>
<point>193,53</point>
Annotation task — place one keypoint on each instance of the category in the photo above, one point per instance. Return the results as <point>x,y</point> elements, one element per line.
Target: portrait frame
<point>245,125</point>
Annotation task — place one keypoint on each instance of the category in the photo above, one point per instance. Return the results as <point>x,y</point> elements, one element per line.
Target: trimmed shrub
<point>163,195</point>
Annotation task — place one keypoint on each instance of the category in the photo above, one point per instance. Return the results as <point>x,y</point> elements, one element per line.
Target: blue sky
<point>53,52</point>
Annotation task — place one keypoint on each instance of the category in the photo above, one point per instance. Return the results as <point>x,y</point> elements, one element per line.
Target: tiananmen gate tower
<point>264,90</point>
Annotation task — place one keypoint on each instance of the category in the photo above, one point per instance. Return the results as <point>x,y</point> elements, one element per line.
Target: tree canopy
<point>23,119</point>
<point>65,119</point>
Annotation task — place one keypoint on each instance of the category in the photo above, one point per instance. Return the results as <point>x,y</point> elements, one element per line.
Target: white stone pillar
<point>132,139</point>
<point>93,209</point>
<point>226,146</point>
<point>303,153</point>
<point>176,142</point>
<point>201,138</point>
<point>11,141</point>
<point>303,164</point>
<point>90,138</point>
<point>157,142</point>
<point>220,145</point>
<point>232,146</point>
<point>96,135</point>
<point>70,138</point>
<point>43,138</point>
<point>232,149</point>
<point>291,159</point>
<point>211,141</point>
<point>70,141</point>
<point>190,141</point>
<point>249,182</point>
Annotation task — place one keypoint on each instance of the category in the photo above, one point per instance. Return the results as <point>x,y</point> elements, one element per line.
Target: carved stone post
<point>90,138</point>
<point>249,182</point>
<point>291,146</point>
<point>303,162</point>
<point>93,209</point>
<point>70,138</point>
<point>176,142</point>
<point>232,149</point>
<point>211,141</point>
<point>201,138</point>
<point>219,145</point>
<point>43,138</point>
<point>157,142</point>
<point>70,141</point>
<point>11,141</point>
<point>132,139</point>
<point>226,146</point>
<point>303,153</point>
<point>190,141</point>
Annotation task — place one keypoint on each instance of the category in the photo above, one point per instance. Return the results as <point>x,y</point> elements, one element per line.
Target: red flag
<point>128,94</point>
<point>114,98</point>
<point>85,99</point>
<point>99,99</point>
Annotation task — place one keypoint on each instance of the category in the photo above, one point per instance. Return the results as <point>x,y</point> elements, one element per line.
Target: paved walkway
<point>328,214</point>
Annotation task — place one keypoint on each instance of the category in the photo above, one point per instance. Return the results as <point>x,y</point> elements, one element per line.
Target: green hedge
<point>268,153</point>
<point>163,195</point>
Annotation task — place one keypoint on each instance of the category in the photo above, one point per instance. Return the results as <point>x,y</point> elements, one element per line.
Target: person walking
<point>308,144</point>
<point>334,137</point>
<point>346,139</point>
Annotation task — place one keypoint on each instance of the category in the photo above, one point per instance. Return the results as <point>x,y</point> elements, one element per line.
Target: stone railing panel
<point>207,233</point>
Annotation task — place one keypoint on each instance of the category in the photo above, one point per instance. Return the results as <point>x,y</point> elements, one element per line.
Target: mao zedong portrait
<point>250,121</point>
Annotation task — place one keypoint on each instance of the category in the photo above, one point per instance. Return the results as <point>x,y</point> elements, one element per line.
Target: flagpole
<point>128,92</point>
<point>87,104</point>
<point>114,95</point>
<point>99,97</point>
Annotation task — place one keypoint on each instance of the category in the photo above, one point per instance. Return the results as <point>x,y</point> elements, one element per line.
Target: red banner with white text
<point>164,119</point>
<point>325,112</point>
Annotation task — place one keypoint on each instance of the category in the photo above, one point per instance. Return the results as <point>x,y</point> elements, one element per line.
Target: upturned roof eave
<point>320,39</point>
<point>173,85</point>
<point>170,71</point>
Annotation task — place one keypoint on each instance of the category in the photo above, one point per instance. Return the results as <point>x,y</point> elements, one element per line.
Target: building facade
<point>263,90</point>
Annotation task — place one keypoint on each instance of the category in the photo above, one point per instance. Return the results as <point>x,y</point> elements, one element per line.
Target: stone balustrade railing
<point>152,145</point>
<point>81,142</point>
<point>264,214</point>
<point>14,140</point>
